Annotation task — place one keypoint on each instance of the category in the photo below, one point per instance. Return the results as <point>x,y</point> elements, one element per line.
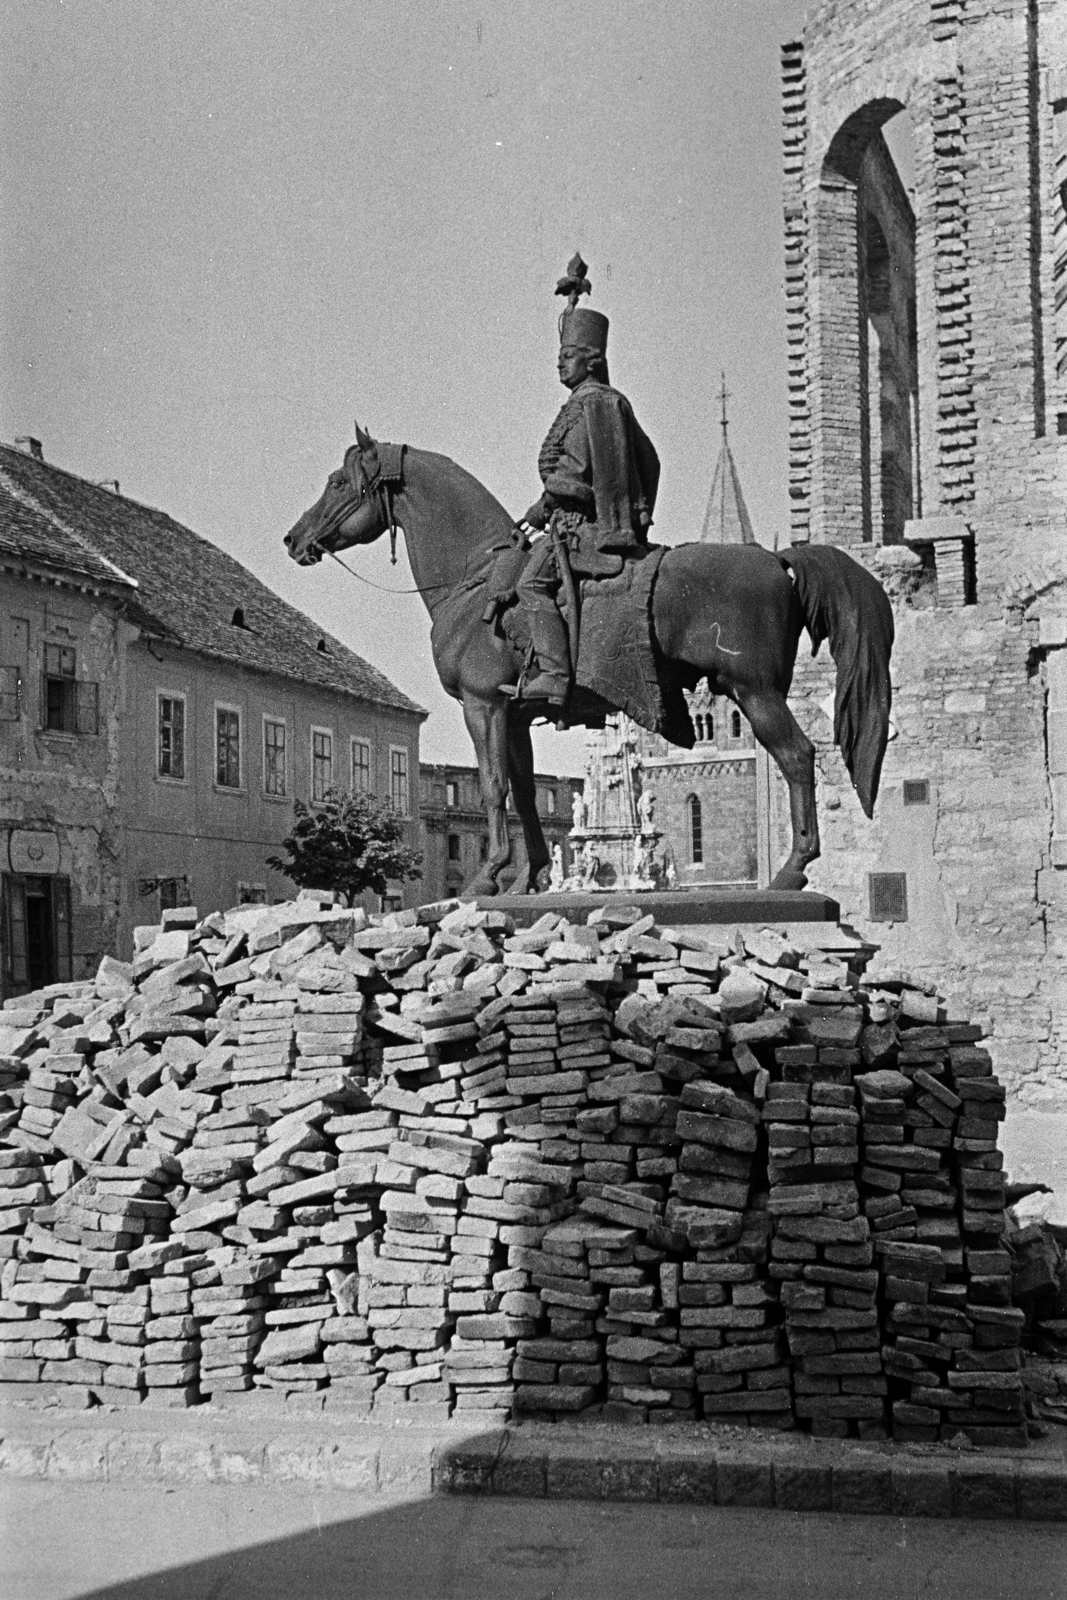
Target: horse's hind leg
<point>524,794</point>
<point>781,736</point>
<point>487,724</point>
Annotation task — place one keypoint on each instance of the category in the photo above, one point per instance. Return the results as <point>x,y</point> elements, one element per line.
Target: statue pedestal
<point>679,908</point>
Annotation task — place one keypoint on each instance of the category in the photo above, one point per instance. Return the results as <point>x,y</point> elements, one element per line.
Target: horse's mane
<point>485,502</point>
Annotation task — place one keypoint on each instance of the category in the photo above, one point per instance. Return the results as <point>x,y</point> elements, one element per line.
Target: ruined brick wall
<point>980,665</point>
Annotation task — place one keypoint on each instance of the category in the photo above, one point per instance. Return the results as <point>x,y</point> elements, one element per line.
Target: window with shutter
<point>61,929</point>
<point>87,701</point>
<point>59,703</point>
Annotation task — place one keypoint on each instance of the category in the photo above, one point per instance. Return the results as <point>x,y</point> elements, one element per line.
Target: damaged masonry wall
<point>969,840</point>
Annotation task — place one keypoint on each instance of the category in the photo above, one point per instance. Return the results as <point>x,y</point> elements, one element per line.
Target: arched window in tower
<point>865,259</point>
<point>699,721</point>
<point>696,831</point>
<point>735,724</point>
<point>711,728</point>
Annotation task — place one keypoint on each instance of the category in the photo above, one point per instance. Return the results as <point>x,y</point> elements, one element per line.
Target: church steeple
<point>726,520</point>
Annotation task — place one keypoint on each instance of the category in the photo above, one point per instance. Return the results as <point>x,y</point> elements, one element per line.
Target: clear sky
<point>233,226</point>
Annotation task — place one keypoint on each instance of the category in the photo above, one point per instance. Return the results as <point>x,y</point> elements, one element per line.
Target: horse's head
<point>354,507</point>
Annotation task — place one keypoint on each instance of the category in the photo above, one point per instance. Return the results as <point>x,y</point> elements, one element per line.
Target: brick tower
<point>927,371</point>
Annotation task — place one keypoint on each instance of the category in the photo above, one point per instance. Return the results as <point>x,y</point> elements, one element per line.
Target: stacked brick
<point>431,1164</point>
<point>821,1255</point>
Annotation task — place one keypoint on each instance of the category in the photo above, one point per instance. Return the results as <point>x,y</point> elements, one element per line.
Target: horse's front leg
<point>487,724</point>
<point>524,794</point>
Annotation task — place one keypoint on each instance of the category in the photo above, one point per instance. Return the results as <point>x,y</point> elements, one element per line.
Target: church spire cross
<point>726,520</point>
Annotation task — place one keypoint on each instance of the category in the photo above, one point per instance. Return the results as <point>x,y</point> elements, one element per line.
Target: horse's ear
<point>364,440</point>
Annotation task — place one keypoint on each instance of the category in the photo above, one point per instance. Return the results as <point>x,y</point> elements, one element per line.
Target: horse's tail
<point>843,603</point>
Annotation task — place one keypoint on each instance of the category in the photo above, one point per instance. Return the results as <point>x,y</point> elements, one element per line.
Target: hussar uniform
<point>600,473</point>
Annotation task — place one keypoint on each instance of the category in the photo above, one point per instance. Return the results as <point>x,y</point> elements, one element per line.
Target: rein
<point>383,588</point>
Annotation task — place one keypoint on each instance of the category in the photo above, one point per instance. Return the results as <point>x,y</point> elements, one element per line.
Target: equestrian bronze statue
<point>574,614</point>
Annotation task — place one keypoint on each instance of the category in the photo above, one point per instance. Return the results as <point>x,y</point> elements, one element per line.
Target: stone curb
<point>401,1464</point>
<point>360,1466</point>
<point>849,1481</point>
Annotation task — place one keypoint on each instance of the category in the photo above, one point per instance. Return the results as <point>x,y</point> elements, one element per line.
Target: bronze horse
<point>760,602</point>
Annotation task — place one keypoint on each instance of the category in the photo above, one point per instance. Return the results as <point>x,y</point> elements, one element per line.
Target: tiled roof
<point>30,535</point>
<point>187,588</point>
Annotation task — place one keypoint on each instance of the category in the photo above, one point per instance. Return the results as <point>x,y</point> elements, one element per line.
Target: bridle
<point>381,486</point>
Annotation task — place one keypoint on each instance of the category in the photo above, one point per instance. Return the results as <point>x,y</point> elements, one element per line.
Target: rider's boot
<point>549,634</point>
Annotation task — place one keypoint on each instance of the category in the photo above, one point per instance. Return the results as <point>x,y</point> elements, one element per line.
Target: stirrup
<point>543,687</point>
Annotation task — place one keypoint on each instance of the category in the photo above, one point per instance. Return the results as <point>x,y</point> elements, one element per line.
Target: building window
<point>274,757</point>
<point>392,902</point>
<point>227,747</point>
<point>888,896</point>
<point>483,848</point>
<point>550,802</point>
<point>10,686</point>
<point>453,847</point>
<point>735,724</point>
<point>171,755</point>
<point>251,894</point>
<point>398,780</point>
<point>321,763</point>
<point>451,794</point>
<point>67,705</point>
<point>916,791</point>
<point>696,830</point>
<point>361,783</point>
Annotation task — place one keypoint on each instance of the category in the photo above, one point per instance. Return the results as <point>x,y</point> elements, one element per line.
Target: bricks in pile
<point>425,1161</point>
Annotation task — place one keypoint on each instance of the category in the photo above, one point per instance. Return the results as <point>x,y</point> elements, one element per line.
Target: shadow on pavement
<point>494,1548</point>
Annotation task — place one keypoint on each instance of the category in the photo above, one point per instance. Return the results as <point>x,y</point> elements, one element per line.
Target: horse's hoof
<point>480,889</point>
<point>789,879</point>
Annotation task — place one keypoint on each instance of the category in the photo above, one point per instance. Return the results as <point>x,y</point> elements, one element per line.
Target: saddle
<point>618,664</point>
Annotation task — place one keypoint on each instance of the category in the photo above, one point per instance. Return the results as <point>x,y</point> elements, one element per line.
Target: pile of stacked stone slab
<point>432,1163</point>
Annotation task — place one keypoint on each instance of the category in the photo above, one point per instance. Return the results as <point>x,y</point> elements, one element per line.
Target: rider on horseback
<point>600,473</point>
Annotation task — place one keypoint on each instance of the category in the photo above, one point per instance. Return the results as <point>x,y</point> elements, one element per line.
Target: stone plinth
<point>679,907</point>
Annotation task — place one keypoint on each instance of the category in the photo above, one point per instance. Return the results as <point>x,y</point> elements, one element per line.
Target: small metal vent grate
<point>888,894</point>
<point>916,791</point>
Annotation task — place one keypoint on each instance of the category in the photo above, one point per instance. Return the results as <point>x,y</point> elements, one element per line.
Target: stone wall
<point>980,688</point>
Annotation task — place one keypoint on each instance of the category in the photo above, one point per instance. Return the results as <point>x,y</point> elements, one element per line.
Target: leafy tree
<point>349,842</point>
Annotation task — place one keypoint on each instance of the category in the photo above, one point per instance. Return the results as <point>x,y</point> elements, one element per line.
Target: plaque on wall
<point>34,851</point>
